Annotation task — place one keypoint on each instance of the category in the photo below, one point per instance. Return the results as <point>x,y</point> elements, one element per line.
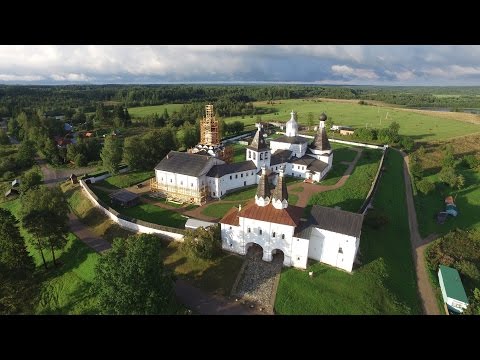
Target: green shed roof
<point>452,283</point>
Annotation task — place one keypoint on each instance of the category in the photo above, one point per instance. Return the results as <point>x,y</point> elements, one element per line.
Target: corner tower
<point>258,151</point>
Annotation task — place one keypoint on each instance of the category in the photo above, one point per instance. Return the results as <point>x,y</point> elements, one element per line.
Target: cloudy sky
<point>323,64</point>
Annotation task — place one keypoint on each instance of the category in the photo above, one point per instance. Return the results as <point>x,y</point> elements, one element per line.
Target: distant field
<point>149,110</point>
<point>422,125</point>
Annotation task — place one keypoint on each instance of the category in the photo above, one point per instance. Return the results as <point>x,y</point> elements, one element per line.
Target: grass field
<point>66,289</point>
<point>128,179</point>
<point>467,199</point>
<point>340,153</point>
<point>247,193</point>
<point>238,153</point>
<point>352,194</point>
<point>218,210</point>
<point>383,284</point>
<point>413,123</point>
<point>216,276</point>
<point>143,111</point>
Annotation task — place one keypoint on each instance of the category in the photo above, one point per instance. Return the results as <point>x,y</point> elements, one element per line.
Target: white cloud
<point>404,75</point>
<point>70,77</point>
<point>347,71</point>
<point>11,77</point>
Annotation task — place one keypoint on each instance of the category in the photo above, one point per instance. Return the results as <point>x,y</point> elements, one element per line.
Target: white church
<point>193,177</point>
<point>330,235</point>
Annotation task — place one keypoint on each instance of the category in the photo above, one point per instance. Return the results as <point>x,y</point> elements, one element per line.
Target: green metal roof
<point>452,283</point>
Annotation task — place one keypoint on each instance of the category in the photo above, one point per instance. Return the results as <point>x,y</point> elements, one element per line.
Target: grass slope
<point>143,111</point>
<point>128,179</point>
<point>384,284</point>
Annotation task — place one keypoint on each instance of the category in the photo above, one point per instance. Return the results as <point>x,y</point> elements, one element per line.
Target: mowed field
<point>143,111</point>
<point>421,125</point>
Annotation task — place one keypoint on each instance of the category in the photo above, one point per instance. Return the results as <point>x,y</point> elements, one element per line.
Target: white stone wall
<point>180,180</point>
<point>324,246</point>
<point>127,224</point>
<point>261,158</point>
<point>296,170</point>
<point>298,150</point>
<point>219,186</point>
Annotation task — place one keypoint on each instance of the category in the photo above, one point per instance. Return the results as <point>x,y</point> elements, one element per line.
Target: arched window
<point>249,154</point>
<point>273,235</point>
<point>266,155</point>
<point>261,156</point>
<point>283,236</point>
<point>254,156</point>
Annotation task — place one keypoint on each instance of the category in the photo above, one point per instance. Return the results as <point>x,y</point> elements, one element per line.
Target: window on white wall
<point>283,236</point>
<point>230,177</point>
<point>254,156</point>
<point>248,230</point>
<point>236,176</point>
<point>171,180</point>
<point>261,156</point>
<point>259,231</point>
<point>266,155</point>
<point>273,234</point>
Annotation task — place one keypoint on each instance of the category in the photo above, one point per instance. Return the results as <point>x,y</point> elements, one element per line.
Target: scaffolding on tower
<point>209,131</point>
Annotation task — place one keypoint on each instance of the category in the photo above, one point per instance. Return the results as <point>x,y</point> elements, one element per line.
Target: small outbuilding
<point>73,179</point>
<point>11,192</point>
<point>124,198</point>
<point>15,183</point>
<point>453,293</point>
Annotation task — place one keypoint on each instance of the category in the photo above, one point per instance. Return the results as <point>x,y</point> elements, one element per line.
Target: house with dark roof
<point>329,235</point>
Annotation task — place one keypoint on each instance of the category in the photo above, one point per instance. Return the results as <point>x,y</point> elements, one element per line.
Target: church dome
<point>292,126</point>
<point>323,117</point>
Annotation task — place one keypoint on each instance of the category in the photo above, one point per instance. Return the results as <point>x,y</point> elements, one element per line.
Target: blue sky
<point>322,64</point>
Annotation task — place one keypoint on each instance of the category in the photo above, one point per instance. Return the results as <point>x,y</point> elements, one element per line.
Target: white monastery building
<point>191,177</point>
<point>331,236</point>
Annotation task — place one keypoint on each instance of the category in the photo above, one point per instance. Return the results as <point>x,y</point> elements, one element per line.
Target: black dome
<point>323,117</point>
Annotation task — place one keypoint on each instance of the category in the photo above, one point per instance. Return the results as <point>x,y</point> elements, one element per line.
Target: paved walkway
<point>425,290</point>
<point>206,304</point>
<point>86,235</point>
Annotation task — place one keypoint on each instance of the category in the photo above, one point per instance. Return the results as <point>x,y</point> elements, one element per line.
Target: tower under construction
<point>209,131</point>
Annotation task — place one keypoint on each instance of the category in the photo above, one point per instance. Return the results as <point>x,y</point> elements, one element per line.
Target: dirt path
<point>427,296</point>
<point>86,235</point>
<point>310,189</point>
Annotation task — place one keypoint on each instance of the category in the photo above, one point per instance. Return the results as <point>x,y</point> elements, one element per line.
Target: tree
<point>425,186</point>
<point>189,137</point>
<point>448,176</point>
<point>407,143</point>
<point>4,140</point>
<point>130,278</point>
<point>310,119</point>
<point>13,127</point>
<point>473,307</point>
<point>80,160</point>
<point>415,167</point>
<point>14,255</point>
<point>26,154</point>
<point>133,153</point>
<point>203,243</point>
<point>32,222</point>
<point>111,154</point>
<point>157,144</point>
<point>460,183</point>
<point>30,180</point>
<point>448,157</point>
<point>471,161</point>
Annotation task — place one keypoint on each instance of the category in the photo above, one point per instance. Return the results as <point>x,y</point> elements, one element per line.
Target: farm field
<point>422,126</point>
<point>385,281</point>
<point>143,111</point>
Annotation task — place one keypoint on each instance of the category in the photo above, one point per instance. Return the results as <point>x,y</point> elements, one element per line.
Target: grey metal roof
<point>195,223</point>
<point>280,156</point>
<point>311,163</point>
<point>124,196</point>
<point>291,139</point>
<point>183,163</point>
<point>339,221</point>
<point>224,169</point>
<point>258,143</point>
<point>320,141</point>
<point>15,182</point>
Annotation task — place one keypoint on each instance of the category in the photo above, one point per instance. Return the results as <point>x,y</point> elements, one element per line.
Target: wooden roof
<point>289,216</point>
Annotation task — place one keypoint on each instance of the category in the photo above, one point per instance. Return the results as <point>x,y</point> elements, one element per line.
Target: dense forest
<point>229,100</point>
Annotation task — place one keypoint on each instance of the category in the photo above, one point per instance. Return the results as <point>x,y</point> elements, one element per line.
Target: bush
<point>425,186</point>
<point>468,269</point>
<point>470,161</point>
<point>9,175</point>
<point>407,143</point>
<point>203,243</point>
<point>376,220</point>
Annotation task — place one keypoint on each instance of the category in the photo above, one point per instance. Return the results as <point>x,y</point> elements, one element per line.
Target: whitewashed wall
<point>239,180</point>
<point>127,224</point>
<point>324,246</point>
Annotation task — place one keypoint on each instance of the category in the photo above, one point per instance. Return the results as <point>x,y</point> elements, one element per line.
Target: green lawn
<point>467,201</point>
<point>218,210</point>
<point>421,127</point>
<point>66,289</point>
<point>143,111</point>
<point>334,175</point>
<point>342,152</point>
<point>246,193</point>
<point>127,179</point>
<point>292,199</point>
<point>352,194</point>
<point>216,276</point>
<point>156,215</point>
<point>384,284</point>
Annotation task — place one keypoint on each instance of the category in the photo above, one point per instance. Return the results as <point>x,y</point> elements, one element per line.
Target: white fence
<point>140,226</point>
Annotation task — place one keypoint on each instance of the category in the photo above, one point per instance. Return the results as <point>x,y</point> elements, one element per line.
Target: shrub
<point>203,243</point>
<point>407,143</point>
<point>470,161</point>
<point>9,175</point>
<point>425,186</point>
<point>468,269</point>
